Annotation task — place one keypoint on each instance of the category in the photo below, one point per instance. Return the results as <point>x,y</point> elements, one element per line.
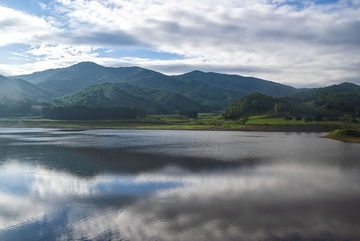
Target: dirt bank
<point>344,138</point>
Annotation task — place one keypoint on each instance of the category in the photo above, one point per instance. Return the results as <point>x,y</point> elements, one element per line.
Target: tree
<point>244,119</point>
<point>287,118</point>
<point>308,119</point>
<point>252,102</point>
<point>346,120</point>
<point>10,107</point>
<point>270,112</point>
<point>357,111</point>
<point>281,106</point>
<point>298,118</point>
<point>318,118</point>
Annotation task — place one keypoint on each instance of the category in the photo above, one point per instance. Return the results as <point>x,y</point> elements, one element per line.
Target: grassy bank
<point>207,121</point>
<point>346,135</point>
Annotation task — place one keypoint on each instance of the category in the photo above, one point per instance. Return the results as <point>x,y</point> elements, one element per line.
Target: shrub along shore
<point>346,135</point>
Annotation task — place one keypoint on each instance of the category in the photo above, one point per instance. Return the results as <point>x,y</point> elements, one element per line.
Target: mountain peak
<point>86,64</point>
<point>348,84</point>
<point>196,71</point>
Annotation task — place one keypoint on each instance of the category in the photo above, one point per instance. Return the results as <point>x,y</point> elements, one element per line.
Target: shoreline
<point>344,139</point>
<point>245,128</point>
<point>345,135</point>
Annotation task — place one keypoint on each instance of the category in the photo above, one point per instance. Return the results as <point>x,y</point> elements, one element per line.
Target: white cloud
<point>42,5</point>
<point>312,45</point>
<point>19,27</point>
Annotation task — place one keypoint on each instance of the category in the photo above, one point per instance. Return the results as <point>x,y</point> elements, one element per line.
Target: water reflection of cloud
<point>268,202</point>
<point>41,183</point>
<point>271,204</point>
<point>16,210</point>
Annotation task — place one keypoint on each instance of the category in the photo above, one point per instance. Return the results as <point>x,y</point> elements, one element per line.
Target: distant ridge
<point>240,83</point>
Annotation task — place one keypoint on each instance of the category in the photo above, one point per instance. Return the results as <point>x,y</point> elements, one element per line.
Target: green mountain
<point>68,80</point>
<point>21,89</point>
<point>246,85</point>
<point>64,81</point>
<point>344,97</point>
<point>78,76</point>
<point>212,90</point>
<point>108,94</point>
<point>166,98</point>
<point>86,72</point>
<point>125,94</point>
<point>321,93</point>
<point>209,95</point>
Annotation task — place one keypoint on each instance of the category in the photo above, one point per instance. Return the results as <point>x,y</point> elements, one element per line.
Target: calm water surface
<point>177,185</point>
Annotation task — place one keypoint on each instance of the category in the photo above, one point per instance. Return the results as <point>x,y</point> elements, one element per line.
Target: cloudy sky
<point>306,43</point>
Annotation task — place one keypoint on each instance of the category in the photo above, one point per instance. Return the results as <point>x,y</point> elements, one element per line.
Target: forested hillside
<point>334,100</point>
<point>10,107</point>
<point>89,84</point>
<point>206,91</point>
<point>109,95</point>
<point>343,97</point>
<point>21,89</point>
<point>167,99</point>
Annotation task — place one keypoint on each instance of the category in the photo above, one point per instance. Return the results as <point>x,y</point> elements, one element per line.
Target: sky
<point>310,43</point>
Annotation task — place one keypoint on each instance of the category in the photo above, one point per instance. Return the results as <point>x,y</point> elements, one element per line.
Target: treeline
<point>343,101</point>
<point>10,107</point>
<point>253,102</point>
<point>321,101</point>
<point>189,113</point>
<point>90,112</point>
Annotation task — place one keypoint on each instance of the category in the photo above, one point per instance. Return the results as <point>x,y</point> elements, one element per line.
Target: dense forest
<point>90,112</point>
<point>10,107</point>
<point>125,94</point>
<point>329,101</point>
<point>198,90</point>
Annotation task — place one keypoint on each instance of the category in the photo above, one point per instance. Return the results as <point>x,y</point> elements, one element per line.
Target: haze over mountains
<point>88,83</point>
<point>21,89</point>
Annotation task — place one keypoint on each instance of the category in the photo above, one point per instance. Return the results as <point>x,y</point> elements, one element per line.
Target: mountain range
<point>87,83</point>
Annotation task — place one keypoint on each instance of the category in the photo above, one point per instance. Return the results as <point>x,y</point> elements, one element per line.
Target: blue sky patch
<point>39,8</point>
<point>137,53</point>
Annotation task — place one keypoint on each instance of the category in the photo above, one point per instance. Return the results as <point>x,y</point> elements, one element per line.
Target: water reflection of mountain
<point>92,161</point>
<point>88,154</point>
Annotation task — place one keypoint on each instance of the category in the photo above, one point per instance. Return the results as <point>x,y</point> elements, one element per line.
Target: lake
<point>177,185</point>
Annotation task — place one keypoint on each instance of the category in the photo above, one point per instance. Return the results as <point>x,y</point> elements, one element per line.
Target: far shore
<point>285,128</point>
<point>209,122</point>
<point>244,128</point>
